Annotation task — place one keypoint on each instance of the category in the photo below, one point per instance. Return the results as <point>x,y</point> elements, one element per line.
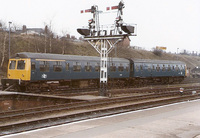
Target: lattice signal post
<point>104,38</point>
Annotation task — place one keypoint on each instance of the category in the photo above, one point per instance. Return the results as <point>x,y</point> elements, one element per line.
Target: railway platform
<point>175,120</point>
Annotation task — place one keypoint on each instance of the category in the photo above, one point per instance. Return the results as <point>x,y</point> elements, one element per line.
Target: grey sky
<point>170,23</point>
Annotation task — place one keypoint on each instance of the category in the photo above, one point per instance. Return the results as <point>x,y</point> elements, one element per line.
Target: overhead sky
<point>174,24</point>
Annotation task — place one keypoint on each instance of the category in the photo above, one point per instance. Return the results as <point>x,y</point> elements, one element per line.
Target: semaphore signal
<point>104,38</point>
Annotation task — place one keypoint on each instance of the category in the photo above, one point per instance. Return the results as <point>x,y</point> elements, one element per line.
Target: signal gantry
<point>104,37</point>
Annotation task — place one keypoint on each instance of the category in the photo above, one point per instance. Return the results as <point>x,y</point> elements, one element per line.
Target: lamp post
<point>9,40</point>
<point>177,53</point>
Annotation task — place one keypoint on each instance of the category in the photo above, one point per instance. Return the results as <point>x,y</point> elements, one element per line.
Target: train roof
<point>62,57</point>
<point>153,61</point>
<point>88,58</point>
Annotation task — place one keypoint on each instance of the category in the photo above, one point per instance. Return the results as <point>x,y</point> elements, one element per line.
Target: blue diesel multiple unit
<point>29,71</point>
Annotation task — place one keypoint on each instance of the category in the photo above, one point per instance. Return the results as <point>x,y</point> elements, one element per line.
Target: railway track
<point>119,92</point>
<point>23,120</point>
<point>62,91</point>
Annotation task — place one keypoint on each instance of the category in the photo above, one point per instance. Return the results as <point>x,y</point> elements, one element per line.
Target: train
<point>42,71</point>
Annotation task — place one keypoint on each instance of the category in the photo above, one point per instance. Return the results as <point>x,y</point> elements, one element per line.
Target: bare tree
<point>48,34</point>
<point>64,41</point>
<point>3,34</point>
<point>45,38</point>
<point>3,51</point>
<point>16,27</point>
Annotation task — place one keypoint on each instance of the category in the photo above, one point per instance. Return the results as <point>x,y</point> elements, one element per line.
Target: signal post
<point>104,38</point>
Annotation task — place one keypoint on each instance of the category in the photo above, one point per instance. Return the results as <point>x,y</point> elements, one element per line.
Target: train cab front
<point>18,74</point>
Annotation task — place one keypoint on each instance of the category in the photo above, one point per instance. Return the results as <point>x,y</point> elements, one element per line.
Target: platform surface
<point>180,120</point>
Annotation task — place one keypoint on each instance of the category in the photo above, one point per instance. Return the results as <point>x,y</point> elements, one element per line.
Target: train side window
<point>176,68</point>
<point>181,67</point>
<point>44,66</point>
<point>113,67</point>
<point>88,67</point>
<point>153,67</point>
<point>163,68</point>
<point>12,64</point>
<point>127,67</point>
<point>67,66</point>
<point>57,67</point>
<point>121,67</point>
<point>77,66</point>
<point>169,68</point>
<point>141,67</point>
<point>149,68</point>
<point>33,66</point>
<point>136,68</point>
<point>21,64</point>
<point>158,68</point>
<point>97,67</point>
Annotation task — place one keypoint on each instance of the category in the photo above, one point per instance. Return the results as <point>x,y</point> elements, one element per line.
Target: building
<point>32,31</point>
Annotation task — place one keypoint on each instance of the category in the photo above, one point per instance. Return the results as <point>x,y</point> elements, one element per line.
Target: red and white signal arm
<point>112,8</point>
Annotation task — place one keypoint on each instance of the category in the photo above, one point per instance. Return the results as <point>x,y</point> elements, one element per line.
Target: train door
<point>137,72</point>
<point>68,70</point>
<point>141,70</point>
<point>33,71</point>
<point>132,69</point>
<point>147,71</point>
<point>153,71</point>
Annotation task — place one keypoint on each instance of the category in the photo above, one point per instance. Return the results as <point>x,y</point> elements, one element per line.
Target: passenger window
<point>88,68</point>
<point>181,68</point>
<point>33,66</point>
<point>169,68</point>
<point>127,67</point>
<point>77,66</point>
<point>121,67</point>
<point>21,64</point>
<point>177,68</point>
<point>153,67</point>
<point>57,67</point>
<point>67,66</point>
<point>113,67</point>
<point>158,68</point>
<point>149,68</point>
<point>141,67</point>
<point>12,64</point>
<point>97,67</point>
<point>44,66</point>
<point>163,69</point>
